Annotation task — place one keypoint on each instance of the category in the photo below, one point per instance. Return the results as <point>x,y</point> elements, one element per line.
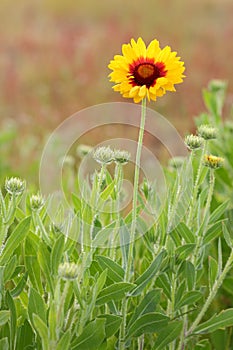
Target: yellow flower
<point>145,71</point>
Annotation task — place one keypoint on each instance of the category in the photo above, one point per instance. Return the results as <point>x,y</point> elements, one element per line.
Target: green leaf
<point>203,345</point>
<point>36,305</point>
<point>44,261</point>
<point>185,250</point>
<point>168,334</point>
<point>190,298</point>
<point>185,233</point>
<point>150,272</point>
<point>25,336</point>
<point>212,271</point>
<point>64,342</point>
<point>77,202</point>
<point>13,319</point>
<point>92,336</point>
<point>56,254</point>
<point>34,272</point>
<point>218,212</point>
<point>147,323</point>
<point>213,232</point>
<point>115,291</point>
<point>222,320</point>
<point>112,324</point>
<point>4,345</point>
<point>227,236</point>
<point>20,286</point>
<point>188,271</point>
<point>42,330</point>
<point>10,268</point>
<point>147,305</point>
<point>103,235</point>
<point>164,283</point>
<point>4,317</point>
<point>115,271</point>
<point>107,191</point>
<point>15,238</point>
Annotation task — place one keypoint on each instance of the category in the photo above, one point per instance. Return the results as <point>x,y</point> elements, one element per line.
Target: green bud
<point>68,271</point>
<point>121,156</point>
<point>103,155</point>
<point>15,185</point>
<point>36,202</point>
<point>176,162</point>
<point>207,132</point>
<point>193,141</point>
<point>83,150</point>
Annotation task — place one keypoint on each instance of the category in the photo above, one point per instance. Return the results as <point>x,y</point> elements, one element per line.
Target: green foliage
<point>177,293</point>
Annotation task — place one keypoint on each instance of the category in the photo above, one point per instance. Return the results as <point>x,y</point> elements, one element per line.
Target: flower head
<point>15,186</point>
<point>145,71</point>
<point>83,150</point>
<point>213,161</point>
<point>121,156</point>
<point>103,155</point>
<point>193,141</point>
<point>208,132</point>
<point>68,271</point>
<point>36,202</point>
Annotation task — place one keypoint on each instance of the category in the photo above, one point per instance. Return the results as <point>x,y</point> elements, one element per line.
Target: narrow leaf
<point>92,336</point>
<point>150,272</point>
<point>115,291</point>
<point>148,323</point>
<point>167,335</point>
<point>16,237</point>
<point>115,271</point>
<point>222,320</point>
<point>42,330</point>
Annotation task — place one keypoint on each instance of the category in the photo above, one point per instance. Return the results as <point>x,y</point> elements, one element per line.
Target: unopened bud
<point>103,155</point>
<point>121,156</point>
<point>193,141</point>
<point>68,271</point>
<point>15,185</point>
<point>207,132</point>
<point>83,150</point>
<point>36,202</point>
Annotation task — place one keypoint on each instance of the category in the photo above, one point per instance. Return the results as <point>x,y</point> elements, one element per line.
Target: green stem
<point>205,217</point>
<point>196,186</point>
<point>133,224</point>
<point>116,209</point>
<point>135,190</point>
<point>212,294</point>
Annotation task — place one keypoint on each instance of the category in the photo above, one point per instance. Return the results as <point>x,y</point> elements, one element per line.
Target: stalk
<point>134,222</point>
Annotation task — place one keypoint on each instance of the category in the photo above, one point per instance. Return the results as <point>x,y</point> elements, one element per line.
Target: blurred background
<point>54,56</point>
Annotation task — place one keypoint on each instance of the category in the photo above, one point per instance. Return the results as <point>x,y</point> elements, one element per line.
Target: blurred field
<point>54,56</point>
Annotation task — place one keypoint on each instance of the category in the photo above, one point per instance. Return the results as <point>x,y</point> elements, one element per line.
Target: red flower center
<point>146,73</point>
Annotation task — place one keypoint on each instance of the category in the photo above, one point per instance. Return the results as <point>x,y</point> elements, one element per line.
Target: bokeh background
<point>54,56</point>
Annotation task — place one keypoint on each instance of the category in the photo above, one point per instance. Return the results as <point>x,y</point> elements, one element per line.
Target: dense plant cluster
<point>63,286</point>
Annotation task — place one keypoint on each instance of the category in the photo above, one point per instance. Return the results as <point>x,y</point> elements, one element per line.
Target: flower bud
<point>207,132</point>
<point>176,162</point>
<point>193,141</point>
<point>68,271</point>
<point>103,155</point>
<point>36,202</point>
<point>83,150</point>
<point>121,156</point>
<point>15,185</point>
<point>213,161</point>
<point>146,188</point>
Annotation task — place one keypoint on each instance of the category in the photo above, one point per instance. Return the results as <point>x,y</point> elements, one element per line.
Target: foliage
<point>57,292</point>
